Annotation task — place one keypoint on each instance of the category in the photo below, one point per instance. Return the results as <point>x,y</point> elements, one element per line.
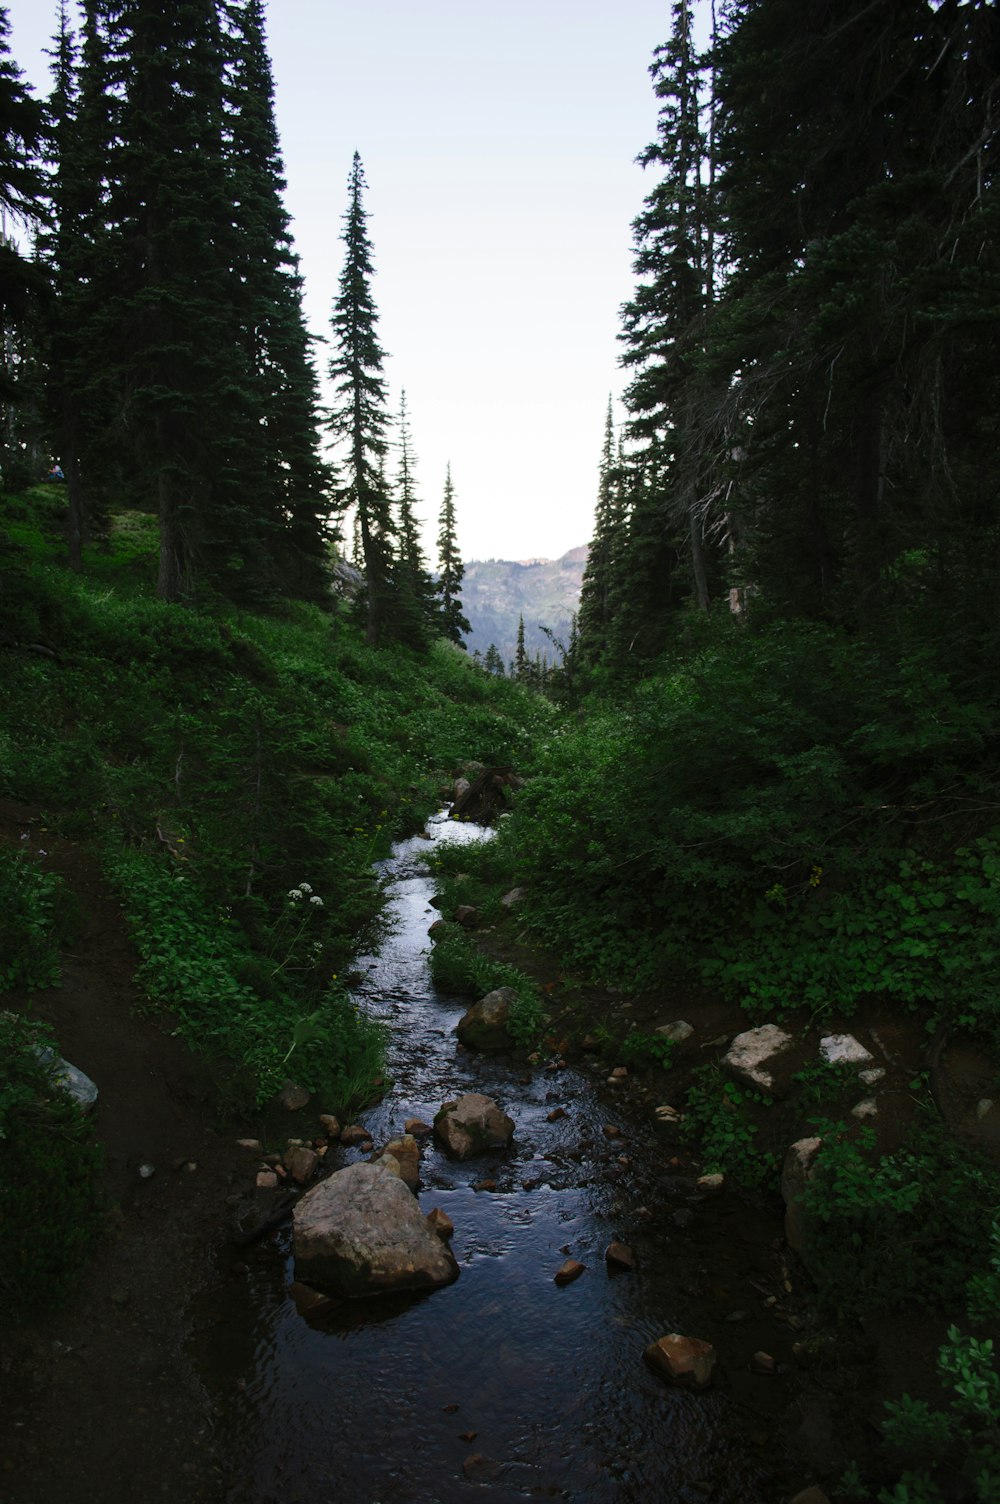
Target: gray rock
<point>837,1049</point>
<point>514,897</point>
<point>678,1031</point>
<point>753,1055</point>
<point>70,1079</point>
<point>866,1109</point>
<point>485,1025</point>
<point>361,1233</point>
<point>473,1125</point>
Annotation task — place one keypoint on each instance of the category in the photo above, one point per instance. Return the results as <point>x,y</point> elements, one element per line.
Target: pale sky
<point>498,141</point>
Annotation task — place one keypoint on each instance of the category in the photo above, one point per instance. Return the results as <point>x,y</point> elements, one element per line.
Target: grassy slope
<point>239,772</point>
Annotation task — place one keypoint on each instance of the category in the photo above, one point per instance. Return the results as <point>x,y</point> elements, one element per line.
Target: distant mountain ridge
<point>546,592</point>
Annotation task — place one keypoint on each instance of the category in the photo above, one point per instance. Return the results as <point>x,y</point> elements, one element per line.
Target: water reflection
<point>502,1386</point>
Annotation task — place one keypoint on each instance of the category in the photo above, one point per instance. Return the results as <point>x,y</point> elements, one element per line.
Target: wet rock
<point>682,1360</point>
<point>404,1152</point>
<point>678,1031</point>
<point>485,1025</point>
<point>438,928</point>
<point>362,1233</point>
<point>612,1130</point>
<point>293,1097</point>
<point>440,1223</point>
<point>309,1303</point>
<point>755,1057</point>
<point>619,1256</point>
<point>480,1467</point>
<point>353,1135</point>
<point>569,1271</point>
<point>301,1164</point>
<point>710,1184</point>
<point>800,1160</point>
<point>466,915</point>
<point>556,1114</point>
<point>331,1125</point>
<point>475,1124</point>
<point>418,1128</point>
<point>844,1049</point>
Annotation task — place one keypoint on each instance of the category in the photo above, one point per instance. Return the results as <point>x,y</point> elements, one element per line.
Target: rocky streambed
<point>578,1247</point>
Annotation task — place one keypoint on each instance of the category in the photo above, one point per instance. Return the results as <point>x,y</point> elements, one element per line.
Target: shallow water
<point>371,1408</point>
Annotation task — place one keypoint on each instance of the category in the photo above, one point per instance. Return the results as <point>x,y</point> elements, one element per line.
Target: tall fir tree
<point>358,418</point>
<point>451,570</point>
<point>664,324</point>
<point>21,282</point>
<point>182,382</point>
<point>415,606</point>
<point>593,618</point>
<point>290,478</point>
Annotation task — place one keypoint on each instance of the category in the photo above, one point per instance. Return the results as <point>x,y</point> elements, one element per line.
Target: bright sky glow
<point>498,143</point>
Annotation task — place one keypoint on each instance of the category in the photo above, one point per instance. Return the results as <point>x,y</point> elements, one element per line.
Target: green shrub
<point>907,1227</point>
<point>458,967</point>
<point>719,1118</point>
<point>50,1206</point>
<point>32,915</point>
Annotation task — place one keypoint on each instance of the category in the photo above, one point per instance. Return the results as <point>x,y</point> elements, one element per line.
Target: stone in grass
<point>293,1097</point>
<point>682,1360</point>
<point>678,1031</point>
<point>69,1078</point>
<point>474,1124</point>
<point>844,1049</point>
<point>753,1057</point>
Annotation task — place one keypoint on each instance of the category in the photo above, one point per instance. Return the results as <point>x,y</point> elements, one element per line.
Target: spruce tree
<point>414,608</point>
<point>182,382</point>
<point>21,283</point>
<point>521,666</point>
<point>289,478</point>
<point>593,618</point>
<point>664,324</point>
<point>358,418</point>
<point>451,570</point>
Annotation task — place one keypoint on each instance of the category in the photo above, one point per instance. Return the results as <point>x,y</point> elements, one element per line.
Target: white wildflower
<point>316,900</point>
<point>295,894</point>
<point>305,888</point>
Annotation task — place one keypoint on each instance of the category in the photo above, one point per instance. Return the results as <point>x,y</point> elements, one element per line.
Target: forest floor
<point>101,1398</point>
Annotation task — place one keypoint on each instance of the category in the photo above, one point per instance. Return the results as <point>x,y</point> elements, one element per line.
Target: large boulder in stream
<point>485,1025</point>
<point>473,1125</point>
<point>361,1232</point>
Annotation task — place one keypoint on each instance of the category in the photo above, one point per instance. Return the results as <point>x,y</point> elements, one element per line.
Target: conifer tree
<point>415,607</point>
<point>21,284</point>
<point>358,418</point>
<point>182,382</point>
<point>594,614</point>
<point>287,473</point>
<point>451,569</point>
<point>664,324</point>
<point>521,666</point>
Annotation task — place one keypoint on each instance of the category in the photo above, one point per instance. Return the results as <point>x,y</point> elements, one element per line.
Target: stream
<point>504,1386</point>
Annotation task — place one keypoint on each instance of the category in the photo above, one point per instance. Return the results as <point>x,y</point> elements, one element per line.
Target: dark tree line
<point>154,339</point>
<point>812,411</point>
